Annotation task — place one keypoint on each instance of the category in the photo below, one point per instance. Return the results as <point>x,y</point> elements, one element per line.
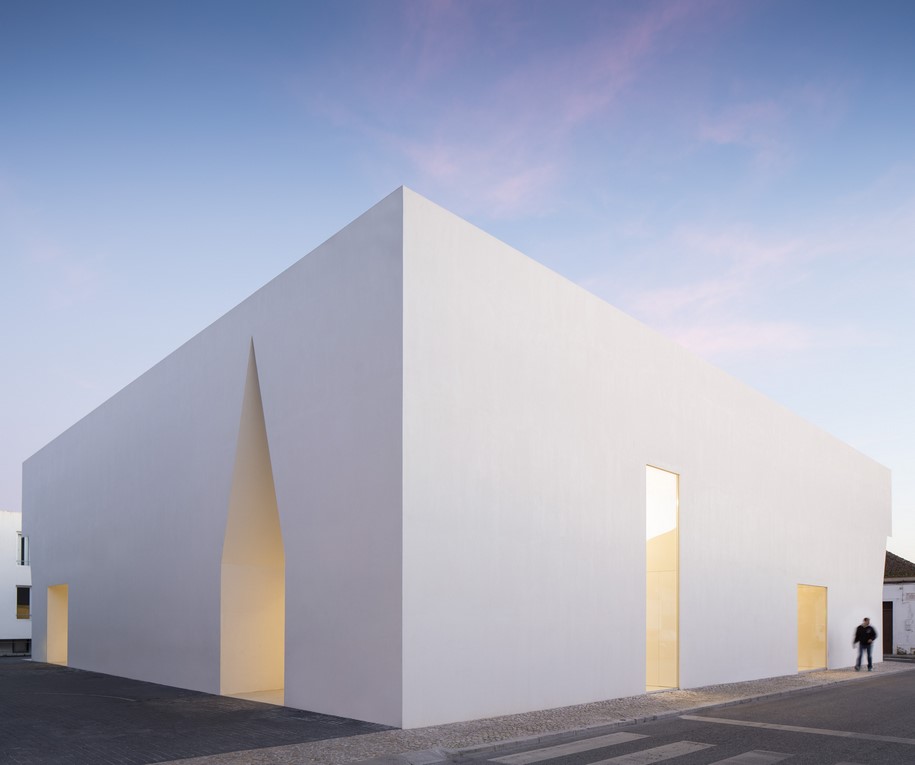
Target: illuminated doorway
<point>253,571</point>
<point>811,627</point>
<point>662,608</point>
<point>58,623</point>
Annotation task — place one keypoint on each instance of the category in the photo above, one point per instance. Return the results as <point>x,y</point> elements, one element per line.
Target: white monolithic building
<point>420,478</point>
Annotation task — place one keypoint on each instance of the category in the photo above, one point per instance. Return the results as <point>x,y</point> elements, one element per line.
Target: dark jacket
<point>864,635</point>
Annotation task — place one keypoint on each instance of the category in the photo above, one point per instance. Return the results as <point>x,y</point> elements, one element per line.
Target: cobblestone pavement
<point>53,715</point>
<point>422,746</point>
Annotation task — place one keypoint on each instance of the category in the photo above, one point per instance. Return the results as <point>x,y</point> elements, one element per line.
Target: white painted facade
<point>901,593</point>
<point>458,440</point>
<point>14,574</point>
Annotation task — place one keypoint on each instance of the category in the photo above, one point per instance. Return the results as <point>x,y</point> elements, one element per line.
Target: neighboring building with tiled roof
<point>898,637</point>
<point>897,568</point>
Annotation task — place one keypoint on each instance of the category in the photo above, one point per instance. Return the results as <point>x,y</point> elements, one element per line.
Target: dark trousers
<point>862,647</point>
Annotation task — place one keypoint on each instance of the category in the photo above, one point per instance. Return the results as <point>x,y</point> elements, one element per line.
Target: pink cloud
<point>494,178</point>
<point>757,126</point>
<point>740,261</point>
<point>515,193</point>
<point>718,338</point>
<point>746,124</point>
<point>437,34</point>
<point>590,79</point>
<point>436,160</point>
<point>767,126</point>
<point>506,152</point>
<point>712,312</point>
<point>500,148</point>
<point>745,251</point>
<point>729,336</point>
<point>664,303</point>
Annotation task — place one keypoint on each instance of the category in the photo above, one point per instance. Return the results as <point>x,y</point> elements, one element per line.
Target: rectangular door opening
<point>811,627</point>
<point>58,623</point>
<point>662,582</point>
<point>888,647</point>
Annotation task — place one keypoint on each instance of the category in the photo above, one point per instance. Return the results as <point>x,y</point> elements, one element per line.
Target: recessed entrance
<point>811,627</point>
<point>887,628</point>
<point>662,585</point>
<point>58,623</point>
<point>253,576</point>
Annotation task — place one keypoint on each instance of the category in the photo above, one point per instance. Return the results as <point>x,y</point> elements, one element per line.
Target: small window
<point>23,602</point>
<point>23,559</point>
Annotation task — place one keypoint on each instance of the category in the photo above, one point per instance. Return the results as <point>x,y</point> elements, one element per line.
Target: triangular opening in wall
<point>253,571</point>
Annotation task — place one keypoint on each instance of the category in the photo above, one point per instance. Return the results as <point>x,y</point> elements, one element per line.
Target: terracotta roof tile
<point>898,568</point>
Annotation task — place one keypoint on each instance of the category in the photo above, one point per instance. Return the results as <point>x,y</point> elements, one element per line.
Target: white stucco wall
<point>458,440</point>
<point>530,411</point>
<point>11,576</point>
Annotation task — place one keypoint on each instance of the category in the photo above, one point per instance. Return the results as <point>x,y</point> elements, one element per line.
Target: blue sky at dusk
<point>739,175</point>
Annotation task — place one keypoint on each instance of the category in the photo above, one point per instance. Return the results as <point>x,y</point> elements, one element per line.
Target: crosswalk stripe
<point>756,757</point>
<point>570,747</point>
<point>799,729</point>
<point>658,753</point>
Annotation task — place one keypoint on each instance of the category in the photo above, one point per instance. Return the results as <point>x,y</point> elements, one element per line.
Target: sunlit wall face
<point>811,627</point>
<point>662,579</point>
<point>58,623</point>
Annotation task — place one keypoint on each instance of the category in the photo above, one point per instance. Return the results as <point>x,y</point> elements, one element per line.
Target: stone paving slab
<point>423,746</point>
<point>53,715</point>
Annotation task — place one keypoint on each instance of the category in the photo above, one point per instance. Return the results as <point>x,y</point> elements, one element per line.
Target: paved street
<point>869,723</point>
<point>52,715</point>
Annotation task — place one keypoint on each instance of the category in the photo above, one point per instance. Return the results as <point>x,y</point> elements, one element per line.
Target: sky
<point>737,174</point>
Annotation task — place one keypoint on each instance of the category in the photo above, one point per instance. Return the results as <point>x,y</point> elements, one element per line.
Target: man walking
<point>865,636</point>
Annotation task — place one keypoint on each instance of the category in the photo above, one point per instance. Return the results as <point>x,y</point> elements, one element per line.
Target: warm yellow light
<point>253,582</point>
<point>662,630</point>
<point>58,623</point>
<point>811,627</point>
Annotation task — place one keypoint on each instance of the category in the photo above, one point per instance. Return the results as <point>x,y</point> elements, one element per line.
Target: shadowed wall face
<point>662,579</point>
<point>253,592</point>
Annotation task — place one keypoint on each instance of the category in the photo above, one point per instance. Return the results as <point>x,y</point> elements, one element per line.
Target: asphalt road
<point>858,723</point>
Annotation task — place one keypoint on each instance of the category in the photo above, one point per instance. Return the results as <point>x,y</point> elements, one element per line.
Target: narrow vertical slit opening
<point>253,570</point>
<point>662,579</point>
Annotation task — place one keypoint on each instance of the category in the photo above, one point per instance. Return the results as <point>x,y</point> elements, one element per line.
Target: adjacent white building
<point>420,478</point>
<point>898,606</point>
<point>15,587</point>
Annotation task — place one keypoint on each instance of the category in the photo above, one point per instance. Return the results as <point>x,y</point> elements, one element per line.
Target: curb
<point>440,754</point>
